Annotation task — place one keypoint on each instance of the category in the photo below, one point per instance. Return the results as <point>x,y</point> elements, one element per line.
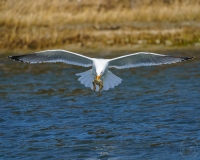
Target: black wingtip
<point>187,58</point>
<point>15,58</point>
<point>9,57</point>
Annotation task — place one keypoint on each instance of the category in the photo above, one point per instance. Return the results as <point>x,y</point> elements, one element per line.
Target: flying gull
<point>99,77</point>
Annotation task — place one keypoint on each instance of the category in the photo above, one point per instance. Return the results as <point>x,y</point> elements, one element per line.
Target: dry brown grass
<point>46,23</point>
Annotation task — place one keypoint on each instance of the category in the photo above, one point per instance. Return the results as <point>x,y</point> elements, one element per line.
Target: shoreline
<point>101,35</point>
<point>38,25</point>
<point>109,50</point>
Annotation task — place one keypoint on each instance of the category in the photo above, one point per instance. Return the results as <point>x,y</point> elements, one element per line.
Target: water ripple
<point>45,113</point>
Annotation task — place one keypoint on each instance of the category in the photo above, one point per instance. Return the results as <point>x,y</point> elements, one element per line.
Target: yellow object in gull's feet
<point>99,82</point>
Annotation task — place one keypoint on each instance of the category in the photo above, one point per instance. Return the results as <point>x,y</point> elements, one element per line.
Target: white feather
<point>109,81</point>
<point>55,56</point>
<point>86,78</point>
<point>99,66</point>
<point>144,59</point>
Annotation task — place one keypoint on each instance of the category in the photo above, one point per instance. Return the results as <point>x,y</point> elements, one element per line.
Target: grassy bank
<point>37,24</point>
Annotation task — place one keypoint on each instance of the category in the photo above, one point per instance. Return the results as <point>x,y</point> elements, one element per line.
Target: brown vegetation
<point>46,23</point>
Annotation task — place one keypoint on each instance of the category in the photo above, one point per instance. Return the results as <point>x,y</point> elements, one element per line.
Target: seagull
<point>99,77</point>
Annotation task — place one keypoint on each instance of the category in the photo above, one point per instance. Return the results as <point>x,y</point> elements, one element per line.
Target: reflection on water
<point>47,114</point>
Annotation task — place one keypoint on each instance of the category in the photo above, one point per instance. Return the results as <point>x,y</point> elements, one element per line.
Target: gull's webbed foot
<point>100,87</point>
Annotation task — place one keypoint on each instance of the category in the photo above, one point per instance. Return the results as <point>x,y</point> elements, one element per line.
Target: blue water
<point>45,113</point>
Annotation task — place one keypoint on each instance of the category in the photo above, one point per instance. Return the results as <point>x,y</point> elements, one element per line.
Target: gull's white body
<point>100,67</point>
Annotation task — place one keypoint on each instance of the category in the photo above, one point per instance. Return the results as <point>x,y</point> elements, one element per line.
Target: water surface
<point>45,113</point>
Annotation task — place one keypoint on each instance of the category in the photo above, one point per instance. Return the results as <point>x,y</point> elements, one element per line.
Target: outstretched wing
<point>144,59</point>
<point>55,56</point>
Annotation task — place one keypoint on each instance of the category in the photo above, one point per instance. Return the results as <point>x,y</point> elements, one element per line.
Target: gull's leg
<point>100,86</point>
<point>94,86</point>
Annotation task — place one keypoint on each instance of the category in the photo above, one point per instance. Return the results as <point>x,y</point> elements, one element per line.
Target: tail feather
<point>106,86</point>
<point>112,81</point>
<point>86,78</point>
<point>109,80</point>
<point>117,80</point>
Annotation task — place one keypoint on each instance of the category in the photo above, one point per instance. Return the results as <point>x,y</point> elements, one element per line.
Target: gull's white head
<point>101,67</point>
<point>99,75</point>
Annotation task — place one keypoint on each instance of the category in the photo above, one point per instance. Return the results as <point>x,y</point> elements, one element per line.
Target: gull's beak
<point>98,77</point>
